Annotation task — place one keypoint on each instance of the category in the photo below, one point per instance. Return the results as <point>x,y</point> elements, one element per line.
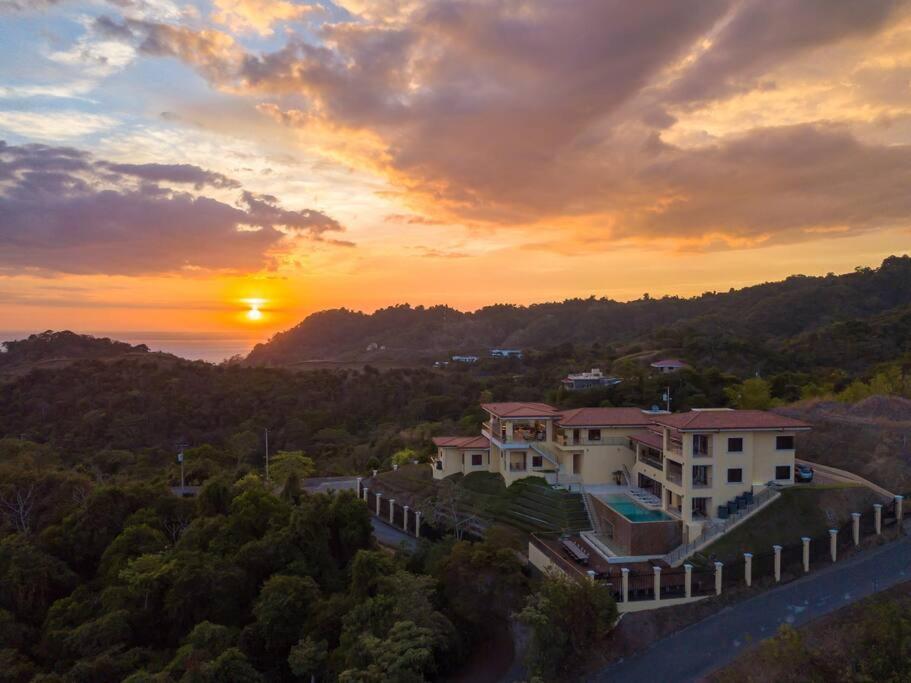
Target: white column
<point>391,510</point>
<point>591,575</point>
<point>417,523</point>
<point>855,527</point>
<point>898,511</point>
<point>688,580</point>
<point>395,468</point>
<point>748,568</point>
<point>366,493</point>
<point>806,553</point>
<point>878,518</point>
<point>718,566</point>
<point>379,498</point>
<point>374,472</point>
<point>777,551</point>
<point>624,572</point>
<point>833,544</point>
<point>405,518</point>
<point>657,571</point>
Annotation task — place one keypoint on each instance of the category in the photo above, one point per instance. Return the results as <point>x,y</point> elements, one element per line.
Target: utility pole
<point>267,454</point>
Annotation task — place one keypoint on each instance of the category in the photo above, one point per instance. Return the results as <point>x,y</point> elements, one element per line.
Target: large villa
<point>650,480</point>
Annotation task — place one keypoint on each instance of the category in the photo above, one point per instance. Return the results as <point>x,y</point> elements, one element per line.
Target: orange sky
<point>165,161</point>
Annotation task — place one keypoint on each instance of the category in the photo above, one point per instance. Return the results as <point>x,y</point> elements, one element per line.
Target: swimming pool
<point>633,511</point>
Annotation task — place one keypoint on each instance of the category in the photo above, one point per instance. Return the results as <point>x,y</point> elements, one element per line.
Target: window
<point>576,437</point>
<point>783,471</point>
<point>477,459</point>
<point>735,475</point>
<point>594,434</point>
<point>735,444</point>
<point>537,461</point>
<point>700,444</point>
<point>784,443</point>
<point>439,464</point>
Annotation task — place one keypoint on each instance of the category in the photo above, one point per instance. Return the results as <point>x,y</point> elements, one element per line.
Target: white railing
<point>595,522</point>
<point>713,530</point>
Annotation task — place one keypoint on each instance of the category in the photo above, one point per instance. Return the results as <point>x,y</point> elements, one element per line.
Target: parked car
<point>803,473</point>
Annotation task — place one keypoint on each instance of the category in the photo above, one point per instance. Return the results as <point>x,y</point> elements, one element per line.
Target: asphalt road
<point>714,642</point>
<point>390,535</point>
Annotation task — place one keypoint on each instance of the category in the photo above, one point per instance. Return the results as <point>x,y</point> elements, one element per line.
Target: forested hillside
<point>756,325</point>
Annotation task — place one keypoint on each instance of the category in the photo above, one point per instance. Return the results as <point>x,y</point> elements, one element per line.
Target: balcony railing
<point>702,483</point>
<point>657,463</point>
<point>517,467</point>
<point>674,477</point>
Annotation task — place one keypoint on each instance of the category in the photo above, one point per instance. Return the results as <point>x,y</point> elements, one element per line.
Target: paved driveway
<point>710,644</point>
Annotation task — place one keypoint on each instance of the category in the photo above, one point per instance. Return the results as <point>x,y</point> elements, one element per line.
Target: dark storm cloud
<point>63,211</point>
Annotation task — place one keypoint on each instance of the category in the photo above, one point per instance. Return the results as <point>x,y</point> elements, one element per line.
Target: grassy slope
<point>800,511</point>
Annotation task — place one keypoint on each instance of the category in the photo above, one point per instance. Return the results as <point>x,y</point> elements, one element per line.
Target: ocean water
<point>212,347</point>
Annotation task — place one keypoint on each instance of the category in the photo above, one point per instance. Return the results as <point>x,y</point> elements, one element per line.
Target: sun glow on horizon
<point>254,313</point>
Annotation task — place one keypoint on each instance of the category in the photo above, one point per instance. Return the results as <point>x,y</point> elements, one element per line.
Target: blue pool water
<point>632,510</point>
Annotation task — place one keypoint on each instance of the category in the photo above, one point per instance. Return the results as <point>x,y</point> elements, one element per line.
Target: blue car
<point>803,473</point>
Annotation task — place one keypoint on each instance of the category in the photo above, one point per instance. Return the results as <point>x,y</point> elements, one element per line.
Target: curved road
<point>699,649</point>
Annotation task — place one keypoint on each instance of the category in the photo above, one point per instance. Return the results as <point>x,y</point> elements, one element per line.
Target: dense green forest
<point>769,327</point>
<point>121,580</point>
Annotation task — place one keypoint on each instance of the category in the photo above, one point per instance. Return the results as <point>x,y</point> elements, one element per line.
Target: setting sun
<point>254,313</point>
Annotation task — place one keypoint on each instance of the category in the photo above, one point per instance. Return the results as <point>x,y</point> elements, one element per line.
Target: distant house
<point>668,365</point>
<point>506,353</point>
<point>465,359</point>
<point>588,380</point>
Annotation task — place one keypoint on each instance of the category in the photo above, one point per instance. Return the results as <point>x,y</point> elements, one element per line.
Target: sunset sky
<point>165,162</point>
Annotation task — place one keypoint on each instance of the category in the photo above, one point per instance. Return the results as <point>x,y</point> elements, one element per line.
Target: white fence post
<point>777,551</point>
<point>748,568</point>
<point>878,518</point>
<point>391,510</point>
<point>657,571</point>
<point>718,567</point>
<point>855,527</point>
<point>806,554</point>
<point>688,580</point>
<point>379,497</point>
<point>405,518</point>
<point>833,544</point>
<point>624,572</point>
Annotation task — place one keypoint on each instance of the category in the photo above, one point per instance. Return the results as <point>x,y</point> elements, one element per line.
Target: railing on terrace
<point>517,467</point>
<point>657,463</point>
<point>674,478</point>
<point>717,528</point>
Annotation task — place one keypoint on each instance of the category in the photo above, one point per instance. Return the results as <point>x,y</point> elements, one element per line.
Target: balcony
<point>651,461</point>
<point>674,477</point>
<point>517,467</point>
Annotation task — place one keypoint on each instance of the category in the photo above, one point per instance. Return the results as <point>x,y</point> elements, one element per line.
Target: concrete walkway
<point>714,642</point>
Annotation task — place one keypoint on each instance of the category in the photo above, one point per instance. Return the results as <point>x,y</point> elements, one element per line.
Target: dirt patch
<point>871,438</point>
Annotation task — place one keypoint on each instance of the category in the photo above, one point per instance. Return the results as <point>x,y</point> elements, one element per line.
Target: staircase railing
<point>716,528</point>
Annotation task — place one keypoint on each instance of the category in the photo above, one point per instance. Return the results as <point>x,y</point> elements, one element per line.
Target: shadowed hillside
<point>56,349</point>
<point>770,326</point>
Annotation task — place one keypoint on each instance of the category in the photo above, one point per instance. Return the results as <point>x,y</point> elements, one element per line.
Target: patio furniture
<point>574,551</point>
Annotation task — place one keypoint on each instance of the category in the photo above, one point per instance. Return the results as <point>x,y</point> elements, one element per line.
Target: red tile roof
<point>605,417</point>
<point>519,410</point>
<point>463,442</point>
<point>649,438</point>
<point>698,420</point>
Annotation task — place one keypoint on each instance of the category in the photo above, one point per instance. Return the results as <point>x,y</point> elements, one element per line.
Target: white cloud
<point>57,125</point>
